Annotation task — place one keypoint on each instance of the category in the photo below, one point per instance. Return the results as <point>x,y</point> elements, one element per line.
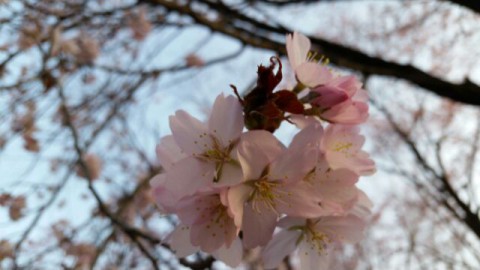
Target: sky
<point>193,92</point>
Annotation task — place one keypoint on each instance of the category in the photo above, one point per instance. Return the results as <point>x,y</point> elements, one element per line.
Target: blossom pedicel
<point>233,189</point>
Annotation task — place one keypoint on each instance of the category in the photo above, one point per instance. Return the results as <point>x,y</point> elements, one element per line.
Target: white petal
<point>226,120</point>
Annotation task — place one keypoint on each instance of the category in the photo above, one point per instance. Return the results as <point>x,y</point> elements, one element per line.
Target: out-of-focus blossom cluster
<point>234,186</point>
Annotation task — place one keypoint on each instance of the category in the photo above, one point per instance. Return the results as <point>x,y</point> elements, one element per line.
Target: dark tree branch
<point>295,2</point>
<point>258,34</point>
<point>473,5</point>
<point>133,233</point>
<point>460,209</point>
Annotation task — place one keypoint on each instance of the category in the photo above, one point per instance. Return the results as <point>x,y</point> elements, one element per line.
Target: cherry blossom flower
<point>313,239</point>
<point>273,183</point>
<point>222,183</point>
<point>307,71</point>
<point>342,146</point>
<point>208,151</point>
<point>207,226</point>
<point>209,221</point>
<point>342,100</point>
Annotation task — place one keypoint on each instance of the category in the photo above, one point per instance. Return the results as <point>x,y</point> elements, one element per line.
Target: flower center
<point>319,58</point>
<point>218,155</point>
<point>218,218</point>
<point>342,146</point>
<point>317,240</point>
<point>263,194</point>
<point>267,194</point>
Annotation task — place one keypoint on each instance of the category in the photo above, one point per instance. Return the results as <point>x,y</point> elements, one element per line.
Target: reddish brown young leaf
<point>287,101</point>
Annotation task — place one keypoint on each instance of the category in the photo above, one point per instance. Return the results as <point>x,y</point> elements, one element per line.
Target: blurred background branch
<point>86,88</point>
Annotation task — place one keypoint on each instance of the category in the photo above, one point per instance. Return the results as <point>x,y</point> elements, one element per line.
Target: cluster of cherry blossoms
<point>234,186</point>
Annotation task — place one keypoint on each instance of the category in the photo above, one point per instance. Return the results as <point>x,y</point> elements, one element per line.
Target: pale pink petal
<point>163,197</point>
<point>237,196</point>
<point>363,205</point>
<point>347,229</point>
<point>313,74</point>
<point>168,152</point>
<point>231,256</point>
<point>337,199</point>
<point>299,200</point>
<point>288,222</point>
<point>180,242</point>
<point>281,245</point>
<point>342,145</point>
<point>364,165</point>
<point>350,84</point>
<point>191,210</point>
<point>309,137</point>
<point>268,143</point>
<point>298,47</point>
<point>231,175</point>
<point>188,176</point>
<point>303,121</point>
<point>300,158</point>
<point>223,193</point>
<point>341,136</point>
<point>226,119</point>
<point>252,159</point>
<point>361,163</point>
<point>258,226</point>
<point>361,96</point>
<point>310,259</point>
<point>348,112</point>
<point>336,187</point>
<point>190,134</point>
<point>293,166</point>
<point>338,177</point>
<point>214,233</point>
<point>158,180</point>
